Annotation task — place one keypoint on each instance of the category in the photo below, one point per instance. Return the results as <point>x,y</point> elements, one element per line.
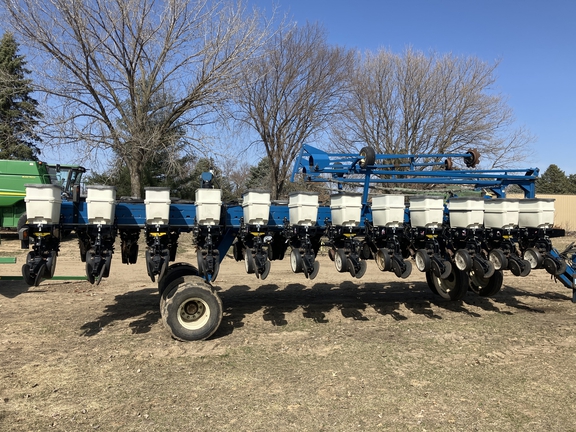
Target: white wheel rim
<point>495,259</point>
<point>419,259</point>
<point>293,261</point>
<point>193,314</point>
<point>338,262</point>
<point>530,256</point>
<point>460,261</point>
<point>379,260</point>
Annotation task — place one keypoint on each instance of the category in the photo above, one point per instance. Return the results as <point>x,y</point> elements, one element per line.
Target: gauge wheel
<point>422,260</point>
<point>315,270</point>
<point>296,261</point>
<point>362,271</point>
<point>534,257</point>
<point>463,260</point>
<point>383,260</point>
<point>249,262</point>
<point>499,259</point>
<point>341,261</point>
<point>266,270</point>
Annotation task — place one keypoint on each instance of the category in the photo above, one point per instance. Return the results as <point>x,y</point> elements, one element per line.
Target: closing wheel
<point>249,262</point>
<point>51,265</point>
<point>463,260</point>
<point>422,260</point>
<point>26,275</point>
<point>554,267</point>
<point>315,270</point>
<point>534,257</point>
<point>40,274</point>
<point>90,267</point>
<point>526,268</point>
<point>351,268</point>
<point>192,311</point>
<point>340,261</point>
<point>266,270</point>
<point>362,271</point>
<point>454,287</point>
<point>368,155</point>
<point>514,267</point>
<point>486,287</point>
<point>383,260</point>
<point>498,258</point>
<point>296,261</point>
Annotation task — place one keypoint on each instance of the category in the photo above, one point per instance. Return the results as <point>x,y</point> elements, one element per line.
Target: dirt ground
<point>333,354</point>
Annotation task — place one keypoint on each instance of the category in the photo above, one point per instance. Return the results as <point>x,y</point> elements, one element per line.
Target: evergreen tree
<point>554,181</point>
<point>18,113</point>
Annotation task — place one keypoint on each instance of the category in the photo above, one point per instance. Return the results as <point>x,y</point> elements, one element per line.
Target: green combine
<point>15,174</point>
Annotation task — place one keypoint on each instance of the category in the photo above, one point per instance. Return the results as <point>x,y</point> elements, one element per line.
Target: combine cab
<point>14,175</point>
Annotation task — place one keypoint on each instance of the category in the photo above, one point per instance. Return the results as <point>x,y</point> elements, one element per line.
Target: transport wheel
<point>422,260</point>
<point>486,287</point>
<point>363,268</point>
<point>296,261</point>
<point>463,260</point>
<point>26,275</point>
<point>340,261</point>
<point>368,155</point>
<point>497,257</point>
<point>383,260</point>
<point>192,310</point>
<point>175,271</point>
<point>249,262</point>
<point>534,257</point>
<point>454,287</point>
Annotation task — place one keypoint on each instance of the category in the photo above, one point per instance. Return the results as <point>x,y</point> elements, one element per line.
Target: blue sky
<point>535,42</point>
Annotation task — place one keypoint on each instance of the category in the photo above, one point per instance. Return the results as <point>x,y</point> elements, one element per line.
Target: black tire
<point>430,282</point>
<point>331,254</point>
<point>368,155</point>
<point>51,265</point>
<point>192,310</point>
<point>526,268</point>
<point>341,261</point>
<point>40,274</point>
<point>487,287</point>
<point>26,275</point>
<point>351,268</point>
<point>266,270</point>
<point>454,287</point>
<point>407,271</point>
<point>175,271</point>
<point>249,263</point>
<point>21,221</point>
<point>315,270</point>
<point>296,261</point>
<point>363,268</point>
<point>514,267</point>
<point>422,260</point>
<point>90,267</point>
<point>554,267</point>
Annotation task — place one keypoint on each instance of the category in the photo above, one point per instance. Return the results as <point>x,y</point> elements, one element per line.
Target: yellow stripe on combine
<point>13,193</point>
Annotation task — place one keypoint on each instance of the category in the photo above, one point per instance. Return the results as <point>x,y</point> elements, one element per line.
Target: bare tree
<point>136,76</point>
<point>291,93</point>
<point>415,103</point>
